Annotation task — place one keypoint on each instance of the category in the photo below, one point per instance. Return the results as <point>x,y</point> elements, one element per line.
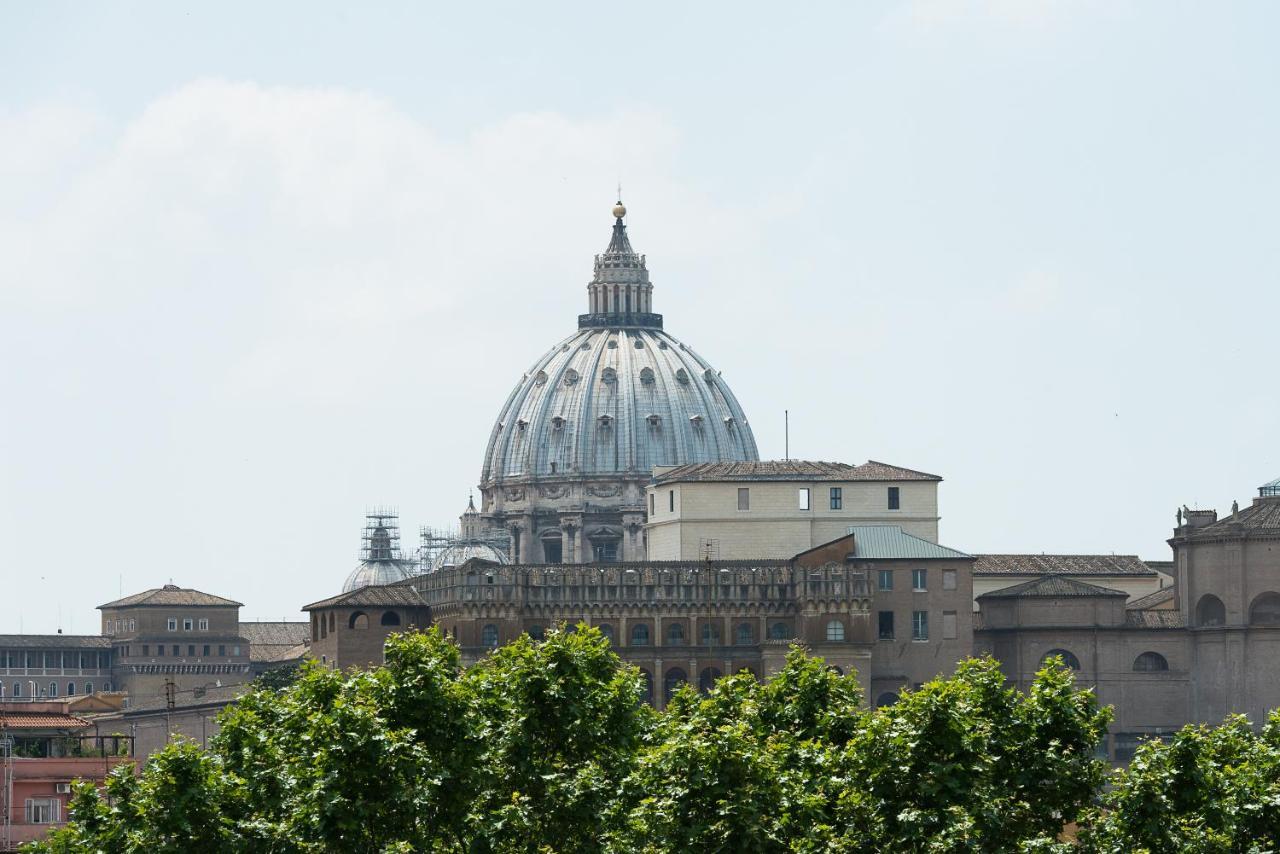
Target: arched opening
<point>888,698</point>
<point>640,634</point>
<point>675,634</point>
<point>835,630</point>
<point>1210,611</point>
<point>71,689</point>
<point>53,689</point>
<point>1265,610</point>
<point>358,620</point>
<point>333,623</point>
<point>536,632</point>
<point>707,679</point>
<point>390,618</point>
<point>710,633</point>
<point>1068,658</point>
<point>1150,662</point>
<point>671,683</point>
<point>489,636</point>
<point>836,670</point>
<point>780,631</point>
<point>646,687</point>
<point>607,631</point>
<point>744,636</point>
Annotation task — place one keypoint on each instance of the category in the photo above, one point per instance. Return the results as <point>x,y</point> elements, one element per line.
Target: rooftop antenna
<point>786,432</point>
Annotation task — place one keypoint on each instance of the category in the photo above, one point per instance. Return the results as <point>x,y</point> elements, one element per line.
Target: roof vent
<point>709,375</point>
<point>521,424</point>
<point>639,344</point>
<point>729,422</point>
<point>662,345</point>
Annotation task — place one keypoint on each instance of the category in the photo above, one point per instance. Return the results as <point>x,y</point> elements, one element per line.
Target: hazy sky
<point>265,264</point>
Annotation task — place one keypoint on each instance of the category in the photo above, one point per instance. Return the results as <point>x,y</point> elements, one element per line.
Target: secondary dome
<point>380,558</point>
<point>619,396</point>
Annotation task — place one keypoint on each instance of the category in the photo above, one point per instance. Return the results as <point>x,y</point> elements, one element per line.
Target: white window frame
<point>835,631</point>
<point>919,626</point>
<point>919,580</point>
<point>188,624</point>
<point>43,810</point>
<point>172,624</point>
<point>204,624</point>
<point>803,497</point>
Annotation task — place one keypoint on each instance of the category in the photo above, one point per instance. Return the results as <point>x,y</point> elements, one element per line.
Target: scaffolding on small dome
<point>381,561</point>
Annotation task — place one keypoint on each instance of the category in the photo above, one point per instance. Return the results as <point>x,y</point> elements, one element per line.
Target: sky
<point>263,266</point>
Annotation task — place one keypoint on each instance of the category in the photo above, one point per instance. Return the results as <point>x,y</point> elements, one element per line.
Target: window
<point>886,625</point>
<point>53,689</point>
<point>886,579</point>
<point>804,499</point>
<point>710,633</point>
<point>173,624</point>
<point>707,679</point>
<point>948,579</point>
<point>204,624</point>
<point>88,687</point>
<point>1210,611</point>
<point>640,634</point>
<point>607,631</point>
<point>948,625</point>
<point>133,625</point>
<point>919,625</point>
<point>17,689</point>
<point>744,498</point>
<point>894,500</point>
<point>222,649</point>
<point>837,498</point>
<point>1265,610</point>
<point>745,636</point>
<point>671,683</point>
<point>235,650</point>
<point>44,810</point>
<point>780,631</point>
<point>919,577</point>
<point>671,500</point>
<point>605,552</point>
<point>675,634</point>
<point>1150,662</point>
<point>646,690</point>
<point>489,636</point>
<point>553,550</point>
<point>835,630</point>
<point>1068,658</point>
<point>191,650</point>
<point>146,649</point>
<point>651,512</point>
<point>389,618</point>
<point>888,698</point>
<point>536,632</point>
<point>177,650</point>
<point>159,650</point>
<point>71,689</point>
<point>187,624</point>
<point>206,651</point>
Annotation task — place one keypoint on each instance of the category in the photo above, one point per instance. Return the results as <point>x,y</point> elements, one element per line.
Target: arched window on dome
<point>1068,658</point>
<point>1210,611</point>
<point>646,376</point>
<point>358,620</point>
<point>1265,610</point>
<point>1150,662</point>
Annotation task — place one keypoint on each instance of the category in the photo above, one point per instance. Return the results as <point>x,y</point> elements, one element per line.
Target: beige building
<point>1128,573</point>
<point>776,508</point>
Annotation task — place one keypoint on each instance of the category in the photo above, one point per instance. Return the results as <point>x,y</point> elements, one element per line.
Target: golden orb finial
<point>619,210</point>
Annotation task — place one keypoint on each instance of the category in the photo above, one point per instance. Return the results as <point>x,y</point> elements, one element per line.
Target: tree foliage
<point>544,746</point>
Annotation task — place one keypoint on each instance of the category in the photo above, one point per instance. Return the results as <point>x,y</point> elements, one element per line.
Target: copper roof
<point>39,720</point>
<point>764,470</point>
<point>1061,565</point>
<point>172,595</point>
<point>1051,587</point>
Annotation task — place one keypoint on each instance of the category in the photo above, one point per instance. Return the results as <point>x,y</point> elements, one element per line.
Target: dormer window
<point>646,376</point>
<point>557,422</point>
<point>605,421</point>
<point>682,376</point>
<point>521,424</point>
<point>570,377</point>
<point>729,422</point>
<point>609,376</point>
<point>695,420</point>
<point>654,420</point>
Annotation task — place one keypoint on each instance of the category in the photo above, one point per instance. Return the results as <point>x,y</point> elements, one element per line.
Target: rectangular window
<point>744,498</point>
<point>191,650</point>
<point>948,579</point>
<point>159,650</point>
<point>886,625</point>
<point>919,625</point>
<point>651,510</point>
<point>204,624</point>
<point>235,650</point>
<point>605,552</point>
<point>187,624</point>
<point>804,499</point>
<point>173,624</point>
<point>894,501</point>
<point>176,651</point>
<point>837,498</point>
<point>133,625</point>
<point>44,810</point>
<point>671,501</point>
<point>886,579</point>
<point>222,648</point>
<point>146,649</point>
<point>206,650</point>
<point>918,579</point>
<point>948,625</point>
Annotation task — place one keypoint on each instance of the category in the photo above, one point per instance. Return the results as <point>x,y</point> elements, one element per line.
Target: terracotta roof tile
<point>36,720</point>
<point>1051,587</point>
<point>171,595</point>
<point>1032,564</point>
<point>1155,619</point>
<point>764,470</point>
<point>375,595</point>
<point>1161,596</point>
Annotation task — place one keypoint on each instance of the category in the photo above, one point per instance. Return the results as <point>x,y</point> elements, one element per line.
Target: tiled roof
<point>386,595</point>
<point>172,595</point>
<point>1051,587</point>
<point>1161,596</point>
<point>1263,515</point>
<point>1061,565</point>
<point>213,695</point>
<point>764,470</point>
<point>274,654</point>
<point>36,720</point>
<point>54,642</point>
<point>1165,566</point>
<point>889,542</point>
<point>1155,619</point>
<point>284,632</point>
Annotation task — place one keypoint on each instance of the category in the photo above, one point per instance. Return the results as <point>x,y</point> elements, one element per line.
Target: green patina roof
<point>889,542</point>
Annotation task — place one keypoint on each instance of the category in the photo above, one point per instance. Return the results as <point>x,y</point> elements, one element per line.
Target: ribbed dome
<point>457,555</point>
<point>617,400</point>
<point>374,573</point>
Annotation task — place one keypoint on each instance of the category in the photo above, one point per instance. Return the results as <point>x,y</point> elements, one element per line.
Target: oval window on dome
<point>609,375</point>
<point>653,419</point>
<point>570,377</point>
<point>613,344</point>
<point>646,376</point>
<point>540,378</point>
<point>682,376</point>
<point>639,344</point>
<point>709,375</point>
<point>662,345</point>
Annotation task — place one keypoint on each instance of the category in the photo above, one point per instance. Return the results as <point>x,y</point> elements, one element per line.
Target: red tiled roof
<point>170,596</point>
<point>1033,564</point>
<point>38,720</point>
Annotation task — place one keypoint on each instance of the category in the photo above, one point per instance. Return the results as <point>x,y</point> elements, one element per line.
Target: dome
<point>623,400</point>
<point>457,555</point>
<point>374,573</point>
<point>619,396</point>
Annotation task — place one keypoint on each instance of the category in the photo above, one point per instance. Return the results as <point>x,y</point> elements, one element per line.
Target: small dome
<point>457,555</point>
<point>375,573</point>
<point>619,210</point>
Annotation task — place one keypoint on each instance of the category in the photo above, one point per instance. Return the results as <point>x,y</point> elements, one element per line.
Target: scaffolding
<point>438,547</point>
<point>380,539</point>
